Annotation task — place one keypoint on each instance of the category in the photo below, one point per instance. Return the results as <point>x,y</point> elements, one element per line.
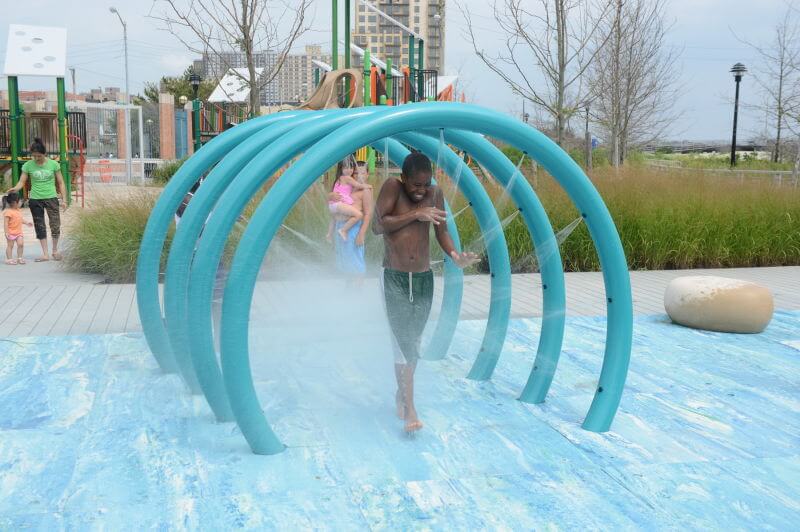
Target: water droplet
<point>26,48</point>
<point>37,40</point>
<point>49,58</point>
<point>38,65</point>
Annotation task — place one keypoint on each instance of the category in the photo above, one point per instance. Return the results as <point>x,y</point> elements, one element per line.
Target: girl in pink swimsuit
<point>344,208</point>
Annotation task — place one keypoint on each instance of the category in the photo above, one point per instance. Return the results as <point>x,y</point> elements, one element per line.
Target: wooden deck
<point>42,300</point>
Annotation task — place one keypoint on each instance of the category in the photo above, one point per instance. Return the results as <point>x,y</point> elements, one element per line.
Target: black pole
<point>735,117</point>
<point>588,141</point>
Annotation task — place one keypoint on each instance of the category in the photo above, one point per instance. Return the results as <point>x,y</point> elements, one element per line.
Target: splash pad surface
<point>92,434</point>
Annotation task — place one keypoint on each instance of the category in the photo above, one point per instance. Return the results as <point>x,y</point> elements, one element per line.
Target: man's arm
<point>357,185</point>
<point>462,260</point>
<point>384,221</point>
<point>366,208</point>
<point>442,234</point>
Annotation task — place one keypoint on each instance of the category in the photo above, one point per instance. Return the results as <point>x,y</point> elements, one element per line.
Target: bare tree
<point>222,28</point>
<point>634,76</point>
<point>556,37</point>
<point>777,73</point>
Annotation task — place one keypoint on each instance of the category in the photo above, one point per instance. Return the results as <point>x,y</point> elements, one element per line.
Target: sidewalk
<point>51,301</point>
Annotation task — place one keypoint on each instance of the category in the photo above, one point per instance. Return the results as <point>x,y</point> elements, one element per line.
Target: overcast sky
<point>703,29</point>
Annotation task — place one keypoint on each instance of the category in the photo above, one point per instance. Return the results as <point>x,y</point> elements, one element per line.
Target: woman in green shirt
<point>47,186</point>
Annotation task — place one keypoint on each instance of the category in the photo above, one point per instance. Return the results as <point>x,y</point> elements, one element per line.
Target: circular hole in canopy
<point>49,58</point>
<point>38,65</point>
<point>37,40</point>
<point>26,48</point>
<point>19,32</point>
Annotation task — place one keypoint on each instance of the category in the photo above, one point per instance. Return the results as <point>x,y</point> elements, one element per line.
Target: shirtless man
<point>404,212</point>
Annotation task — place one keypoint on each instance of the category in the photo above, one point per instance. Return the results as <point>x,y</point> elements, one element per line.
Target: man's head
<point>362,171</point>
<point>416,176</point>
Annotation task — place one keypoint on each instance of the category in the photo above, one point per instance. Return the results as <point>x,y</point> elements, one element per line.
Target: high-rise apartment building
<point>384,39</point>
<point>294,83</point>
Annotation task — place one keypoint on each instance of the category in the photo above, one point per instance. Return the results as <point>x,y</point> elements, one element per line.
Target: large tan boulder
<point>719,304</point>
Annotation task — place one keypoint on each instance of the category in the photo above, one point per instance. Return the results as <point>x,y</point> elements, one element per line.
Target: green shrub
<point>105,239</point>
<point>666,220</point>
<point>514,155</point>
<point>163,173</point>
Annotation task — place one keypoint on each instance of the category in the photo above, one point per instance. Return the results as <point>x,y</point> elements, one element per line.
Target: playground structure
<point>242,159</point>
<point>41,51</point>
<point>379,83</point>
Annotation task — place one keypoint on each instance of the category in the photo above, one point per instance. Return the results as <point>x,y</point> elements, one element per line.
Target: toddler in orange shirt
<point>12,223</point>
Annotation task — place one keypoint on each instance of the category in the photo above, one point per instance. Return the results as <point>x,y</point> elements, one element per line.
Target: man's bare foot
<point>42,259</point>
<point>20,261</point>
<point>401,407</point>
<point>11,262</point>
<point>343,234</point>
<point>57,256</point>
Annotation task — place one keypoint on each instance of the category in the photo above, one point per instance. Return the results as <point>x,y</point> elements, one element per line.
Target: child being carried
<point>344,207</point>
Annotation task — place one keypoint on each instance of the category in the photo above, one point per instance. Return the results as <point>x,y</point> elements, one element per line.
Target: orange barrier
<point>406,84</point>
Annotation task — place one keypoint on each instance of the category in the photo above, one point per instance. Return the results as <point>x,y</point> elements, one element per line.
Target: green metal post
<point>316,77</point>
<point>13,103</point>
<point>196,125</point>
<point>388,78</point>
<point>62,137</point>
<point>420,68</point>
<point>347,33</point>
<point>335,37</point>
<point>411,66</point>
<point>368,101</point>
<point>347,94</point>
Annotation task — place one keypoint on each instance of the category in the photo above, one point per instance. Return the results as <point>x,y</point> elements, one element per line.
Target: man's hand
<point>360,239</point>
<point>431,214</point>
<point>465,259</point>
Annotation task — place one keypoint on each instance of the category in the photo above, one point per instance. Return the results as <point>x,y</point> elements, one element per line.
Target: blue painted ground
<point>92,436</point>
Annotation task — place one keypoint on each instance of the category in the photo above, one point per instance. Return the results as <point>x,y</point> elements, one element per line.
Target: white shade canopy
<point>232,88</point>
<point>36,51</point>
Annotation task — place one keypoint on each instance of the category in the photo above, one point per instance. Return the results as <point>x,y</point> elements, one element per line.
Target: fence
<point>114,171</point>
<point>779,177</point>
<point>43,125</point>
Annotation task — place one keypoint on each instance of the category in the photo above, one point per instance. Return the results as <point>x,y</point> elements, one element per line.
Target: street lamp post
<point>588,141</point>
<point>738,71</point>
<point>127,95</point>
<point>194,79</point>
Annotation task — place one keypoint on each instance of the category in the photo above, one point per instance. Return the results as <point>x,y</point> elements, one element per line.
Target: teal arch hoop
<point>155,233</point>
<point>202,353</point>
<point>238,192</point>
<point>395,122</point>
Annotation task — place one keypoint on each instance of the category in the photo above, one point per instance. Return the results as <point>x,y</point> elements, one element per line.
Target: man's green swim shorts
<point>408,298</point>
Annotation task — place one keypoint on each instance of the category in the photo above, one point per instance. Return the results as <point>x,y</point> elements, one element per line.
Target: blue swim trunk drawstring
<point>410,287</point>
